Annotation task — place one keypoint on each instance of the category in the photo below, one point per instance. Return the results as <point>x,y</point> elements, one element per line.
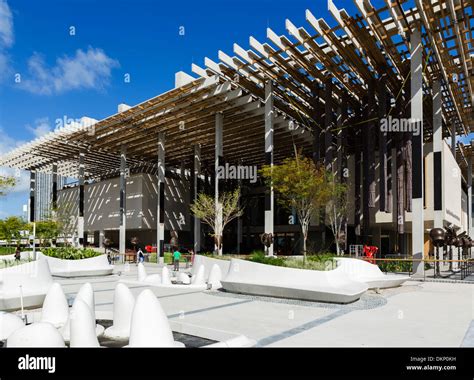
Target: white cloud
<point>89,69</point>
<point>6,38</point>
<point>40,128</point>
<point>6,25</point>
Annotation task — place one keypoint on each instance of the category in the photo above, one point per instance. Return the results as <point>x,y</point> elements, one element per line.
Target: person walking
<point>176,257</point>
<point>17,254</point>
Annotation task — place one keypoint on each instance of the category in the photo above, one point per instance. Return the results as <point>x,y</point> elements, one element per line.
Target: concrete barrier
<point>94,266</point>
<point>370,274</point>
<point>33,277</point>
<point>260,279</point>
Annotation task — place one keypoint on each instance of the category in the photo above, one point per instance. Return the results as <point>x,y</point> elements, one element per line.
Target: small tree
<point>10,229</point>
<point>205,209</point>
<point>65,215</point>
<point>336,209</point>
<point>301,185</point>
<point>47,230</point>
<point>6,183</point>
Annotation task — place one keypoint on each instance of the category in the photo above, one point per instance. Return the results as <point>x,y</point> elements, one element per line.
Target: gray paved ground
<point>416,314</point>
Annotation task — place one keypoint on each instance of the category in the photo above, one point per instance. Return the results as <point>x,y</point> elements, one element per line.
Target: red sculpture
<point>370,251</point>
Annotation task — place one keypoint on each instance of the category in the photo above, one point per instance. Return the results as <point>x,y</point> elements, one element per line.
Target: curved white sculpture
<point>328,286</point>
<point>9,323</point>
<point>208,263</point>
<point>124,302</point>
<point>184,278</point>
<point>152,279</point>
<point>239,341</point>
<point>85,294</point>
<point>165,276</point>
<point>55,307</point>
<point>33,277</point>
<point>82,326</point>
<point>215,277</point>
<point>141,272</point>
<point>150,326</point>
<point>36,335</point>
<point>370,274</point>
<point>198,278</point>
<point>94,266</point>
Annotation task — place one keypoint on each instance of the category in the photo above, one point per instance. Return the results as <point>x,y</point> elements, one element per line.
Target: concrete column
<point>196,177</point>
<point>123,200</point>
<point>269,196</point>
<point>239,220</point>
<point>31,217</point>
<point>219,155</point>
<point>328,125</point>
<point>437,154</point>
<point>80,219</point>
<point>54,195</point>
<point>453,139</point>
<point>160,212</point>
<point>416,67</point>
<point>470,229</point>
<point>101,238</point>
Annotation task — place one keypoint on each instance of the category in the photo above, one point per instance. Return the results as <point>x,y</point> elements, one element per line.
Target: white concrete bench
<point>260,279</point>
<point>94,266</point>
<point>370,274</point>
<point>35,280</point>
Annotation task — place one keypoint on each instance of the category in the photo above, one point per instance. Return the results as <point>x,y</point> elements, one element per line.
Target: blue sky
<point>71,76</point>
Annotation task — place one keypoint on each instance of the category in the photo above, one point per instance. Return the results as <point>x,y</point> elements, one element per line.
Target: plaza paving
<point>417,314</point>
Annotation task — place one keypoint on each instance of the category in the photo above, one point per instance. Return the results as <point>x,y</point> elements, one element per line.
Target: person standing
<point>176,257</point>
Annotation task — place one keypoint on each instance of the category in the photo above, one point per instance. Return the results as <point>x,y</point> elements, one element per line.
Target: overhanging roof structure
<point>351,55</point>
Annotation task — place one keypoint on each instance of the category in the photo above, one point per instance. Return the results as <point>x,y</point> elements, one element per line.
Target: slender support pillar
<point>328,125</point>
<point>54,195</point>
<point>123,200</point>
<point>316,128</point>
<point>219,157</point>
<point>470,228</point>
<point>269,197</point>
<point>437,155</point>
<point>416,67</point>
<point>437,161</point>
<point>101,238</point>
<point>383,148</point>
<point>31,217</point>
<point>80,219</point>
<point>453,139</point>
<point>368,161</point>
<point>160,211</point>
<point>239,219</point>
<point>196,177</point>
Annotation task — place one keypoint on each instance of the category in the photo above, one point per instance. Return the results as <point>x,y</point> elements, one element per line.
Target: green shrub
<point>70,253</point>
<point>398,266</point>
<point>7,250</point>
<point>259,257</point>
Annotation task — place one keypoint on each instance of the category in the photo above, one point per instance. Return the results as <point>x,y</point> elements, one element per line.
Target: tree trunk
<point>304,249</point>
